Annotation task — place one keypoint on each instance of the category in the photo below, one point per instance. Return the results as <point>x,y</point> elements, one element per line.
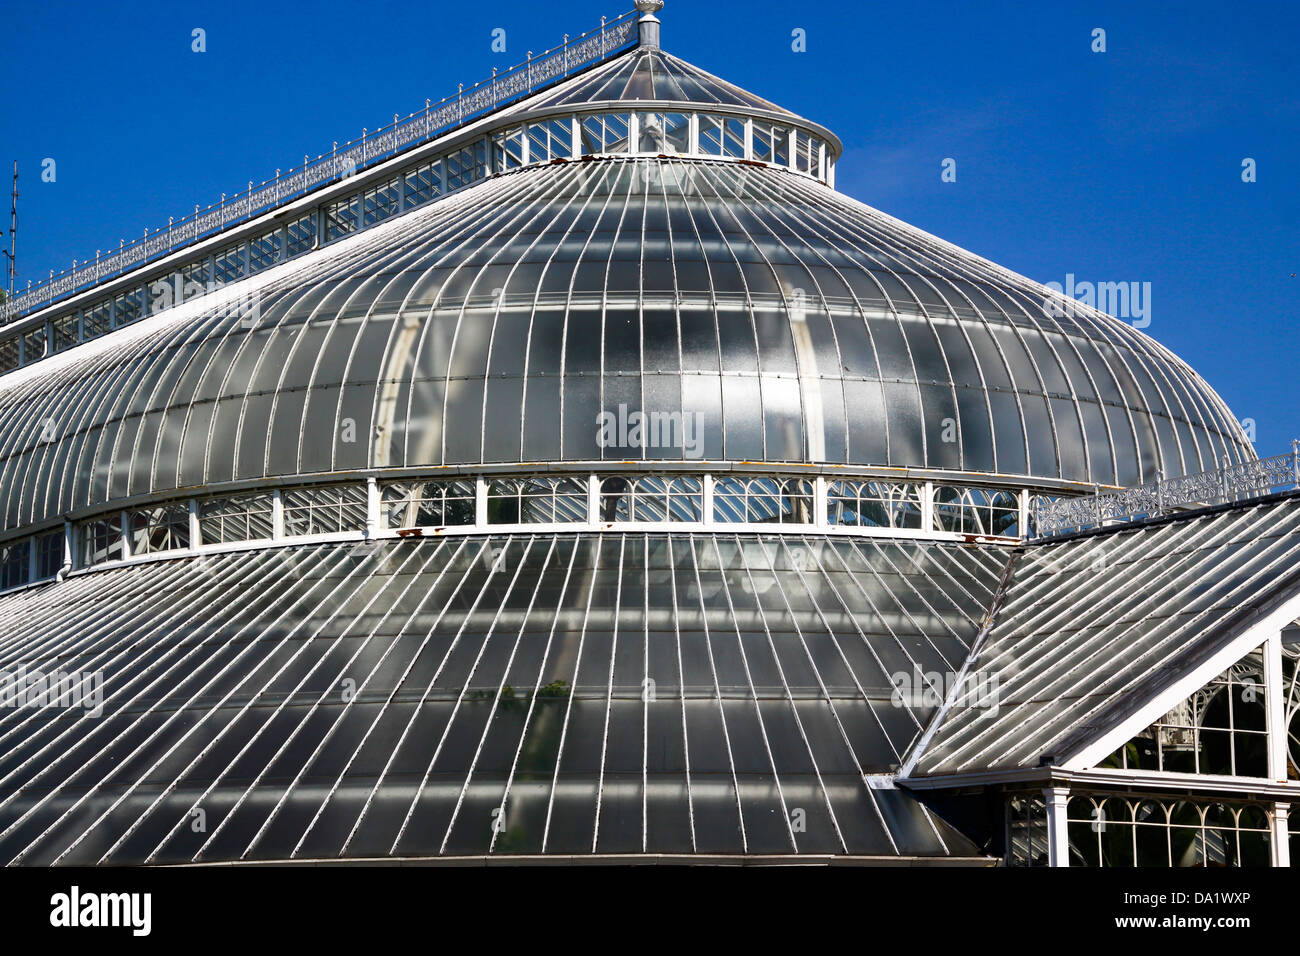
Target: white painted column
<point>277,515</point>
<point>1275,709</point>
<point>1058,839</point>
<point>480,502</point>
<point>196,536</point>
<point>1281,841</point>
<point>69,544</point>
<point>593,502</point>
<point>372,507</point>
<point>125,519</point>
<point>707,484</point>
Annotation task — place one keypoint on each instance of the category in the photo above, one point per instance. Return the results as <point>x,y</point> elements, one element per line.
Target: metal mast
<point>12,252</point>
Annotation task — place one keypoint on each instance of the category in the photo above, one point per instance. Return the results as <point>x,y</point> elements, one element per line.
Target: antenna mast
<point>12,252</point>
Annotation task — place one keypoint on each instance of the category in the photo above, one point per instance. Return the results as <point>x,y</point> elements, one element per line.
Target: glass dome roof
<point>462,705</point>
<point>799,325</point>
<point>496,325</point>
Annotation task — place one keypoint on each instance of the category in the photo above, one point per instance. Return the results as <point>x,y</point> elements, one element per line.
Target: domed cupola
<point>632,265</point>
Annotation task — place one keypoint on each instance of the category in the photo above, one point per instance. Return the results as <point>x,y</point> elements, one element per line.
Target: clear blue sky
<point>1115,166</point>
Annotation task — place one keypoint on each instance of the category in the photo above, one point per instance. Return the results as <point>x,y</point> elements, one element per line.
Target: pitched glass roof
<point>1093,627</point>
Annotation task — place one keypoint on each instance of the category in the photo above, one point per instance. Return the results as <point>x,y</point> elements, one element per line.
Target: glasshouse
<point>569,472</point>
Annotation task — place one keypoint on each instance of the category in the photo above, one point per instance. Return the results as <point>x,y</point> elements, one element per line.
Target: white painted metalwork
<point>330,638</point>
<point>1058,834</point>
<point>1123,830</point>
<point>418,507</point>
<point>1232,483</point>
<point>1281,836</point>
<point>1275,709</point>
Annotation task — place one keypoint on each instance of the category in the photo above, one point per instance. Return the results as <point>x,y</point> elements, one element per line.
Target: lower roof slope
<point>376,700</point>
<point>703,694</point>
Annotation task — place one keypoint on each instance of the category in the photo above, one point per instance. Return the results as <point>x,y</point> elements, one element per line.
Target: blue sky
<point>1117,166</point>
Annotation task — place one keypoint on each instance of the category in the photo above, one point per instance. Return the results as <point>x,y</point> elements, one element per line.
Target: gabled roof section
<point>648,74</point>
<point>1096,631</point>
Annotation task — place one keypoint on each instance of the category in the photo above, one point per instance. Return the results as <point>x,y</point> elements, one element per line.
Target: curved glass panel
<point>976,511</point>
<point>243,518</point>
<point>763,500</point>
<point>874,504</point>
<point>324,510</point>
<point>162,528</point>
<point>651,499</point>
<point>428,504</point>
<point>539,500</point>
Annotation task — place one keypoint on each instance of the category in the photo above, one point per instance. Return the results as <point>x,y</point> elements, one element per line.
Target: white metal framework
<point>477,504</point>
<point>1237,482</point>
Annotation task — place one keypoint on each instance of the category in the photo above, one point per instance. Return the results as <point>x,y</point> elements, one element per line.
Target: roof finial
<point>648,25</point>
